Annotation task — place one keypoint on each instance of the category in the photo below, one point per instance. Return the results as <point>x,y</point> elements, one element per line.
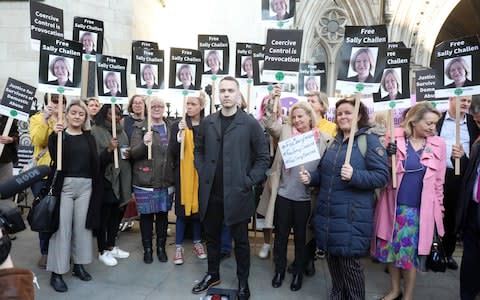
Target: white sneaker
<point>119,253</point>
<point>107,259</point>
<point>178,259</point>
<point>264,251</point>
<point>199,251</point>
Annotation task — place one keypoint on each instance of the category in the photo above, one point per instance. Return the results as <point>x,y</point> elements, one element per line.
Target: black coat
<point>94,208</point>
<point>245,159</point>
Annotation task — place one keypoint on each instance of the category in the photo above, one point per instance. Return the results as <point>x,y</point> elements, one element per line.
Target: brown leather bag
<point>16,283</point>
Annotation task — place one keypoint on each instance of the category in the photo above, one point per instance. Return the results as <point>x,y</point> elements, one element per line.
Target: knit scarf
<point>188,176</point>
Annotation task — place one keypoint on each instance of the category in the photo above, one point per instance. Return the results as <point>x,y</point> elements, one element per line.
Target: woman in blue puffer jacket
<point>345,205</point>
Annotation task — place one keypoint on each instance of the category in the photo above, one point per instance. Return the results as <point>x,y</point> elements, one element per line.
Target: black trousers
<point>470,267</point>
<point>213,228</point>
<point>107,233</point>
<point>348,279</point>
<point>288,214</point>
<point>451,191</point>
<point>161,224</point>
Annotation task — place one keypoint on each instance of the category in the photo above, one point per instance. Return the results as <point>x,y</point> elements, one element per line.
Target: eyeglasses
<point>158,106</point>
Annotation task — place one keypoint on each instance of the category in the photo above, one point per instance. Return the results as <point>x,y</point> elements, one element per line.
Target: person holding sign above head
<point>88,43</point>
<point>186,177</point>
<point>469,132</point>
<point>405,217</point>
<point>247,67</point>
<point>343,217</point>
<point>291,198</point>
<point>112,84</point>
<point>61,69</point>
<point>153,179</point>
<point>117,182</point>
<point>213,62</point>
<point>148,75</point>
<point>391,84</point>
<point>311,85</point>
<point>231,156</point>
<point>362,62</point>
<point>280,8</point>
<point>185,75</point>
<point>78,188</point>
<point>457,70</point>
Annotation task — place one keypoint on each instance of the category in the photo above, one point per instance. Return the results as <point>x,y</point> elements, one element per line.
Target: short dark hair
<point>230,78</point>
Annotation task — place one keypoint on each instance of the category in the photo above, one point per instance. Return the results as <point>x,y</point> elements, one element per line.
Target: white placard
<point>299,150</point>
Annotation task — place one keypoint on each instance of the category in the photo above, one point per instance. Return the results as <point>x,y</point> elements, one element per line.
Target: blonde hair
<point>369,54</point>
<point>415,114</point>
<point>322,98</point>
<point>308,110</point>
<point>77,102</point>
<point>65,62</point>
<point>459,60</point>
<point>394,74</point>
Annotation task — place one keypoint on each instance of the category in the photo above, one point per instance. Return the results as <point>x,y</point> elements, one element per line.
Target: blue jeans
<point>180,230</point>
<point>226,237</point>
<point>44,237</point>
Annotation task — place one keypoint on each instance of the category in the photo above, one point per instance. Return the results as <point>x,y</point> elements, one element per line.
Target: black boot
<point>147,251</point>
<point>296,282</point>
<point>80,272</point>
<point>161,253</point>
<point>56,281</point>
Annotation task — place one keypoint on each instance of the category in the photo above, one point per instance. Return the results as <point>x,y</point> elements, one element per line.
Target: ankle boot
<point>161,253</point>
<point>56,281</point>
<point>80,272</point>
<point>147,251</point>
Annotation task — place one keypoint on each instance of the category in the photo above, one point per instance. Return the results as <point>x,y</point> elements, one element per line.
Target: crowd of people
<point>220,170</point>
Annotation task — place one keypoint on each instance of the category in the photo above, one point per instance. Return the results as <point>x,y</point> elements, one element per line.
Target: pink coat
<point>431,206</point>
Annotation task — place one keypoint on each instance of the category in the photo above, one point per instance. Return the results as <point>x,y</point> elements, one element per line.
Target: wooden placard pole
<point>85,71</point>
<point>60,133</point>
<point>212,98</point>
<point>457,132</point>
<point>149,127</point>
<point>275,110</point>
<point>114,135</point>
<point>6,131</point>
<point>249,90</point>
<point>353,129</point>
<point>182,143</point>
<point>391,128</point>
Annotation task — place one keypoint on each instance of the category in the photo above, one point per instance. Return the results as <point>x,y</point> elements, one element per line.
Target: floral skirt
<point>151,201</point>
<point>402,251</point>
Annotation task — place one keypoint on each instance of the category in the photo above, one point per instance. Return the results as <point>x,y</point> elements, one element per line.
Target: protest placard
<point>89,32</point>
<point>151,66</point>
<point>299,149</point>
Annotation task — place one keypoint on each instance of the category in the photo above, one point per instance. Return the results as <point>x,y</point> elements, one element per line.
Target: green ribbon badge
<point>113,100</point>
<point>434,104</point>
<point>60,89</point>
<point>359,87</point>
<point>249,81</point>
<point>270,88</point>
<point>214,77</point>
<point>280,24</point>
<point>279,76</point>
<point>13,113</point>
<point>184,92</point>
<point>87,56</point>
<point>392,104</point>
<point>149,92</point>
<point>458,92</point>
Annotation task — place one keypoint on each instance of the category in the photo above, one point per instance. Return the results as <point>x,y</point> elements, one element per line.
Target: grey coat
<point>245,160</point>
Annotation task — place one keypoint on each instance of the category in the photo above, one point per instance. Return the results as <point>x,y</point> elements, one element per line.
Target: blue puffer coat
<point>343,218</point>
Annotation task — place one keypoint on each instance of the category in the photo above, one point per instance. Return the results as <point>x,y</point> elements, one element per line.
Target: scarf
<point>188,176</point>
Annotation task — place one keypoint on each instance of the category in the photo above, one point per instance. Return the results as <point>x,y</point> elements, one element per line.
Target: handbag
<point>436,260</point>
<point>43,216</point>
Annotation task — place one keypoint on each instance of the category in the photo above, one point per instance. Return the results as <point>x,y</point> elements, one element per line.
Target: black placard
<point>215,51</point>
<point>25,155</point>
<point>60,66</point>
<point>282,55</point>
<point>395,83</point>
<point>112,79</point>
<point>17,100</point>
<point>244,60</point>
<point>186,68</point>
<point>312,78</point>
<point>457,66</point>
<point>151,63</point>
<point>258,55</point>
<point>425,85</point>
<point>141,44</point>
<point>45,20</point>
<point>90,33</point>
<point>363,59</point>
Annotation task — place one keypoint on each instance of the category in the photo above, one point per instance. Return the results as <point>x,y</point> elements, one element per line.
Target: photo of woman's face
<point>457,72</point>
<point>185,76</point>
<point>279,6</point>
<point>111,82</point>
<point>148,76</point>
<point>391,84</point>
<point>87,42</point>
<point>60,70</point>
<point>213,63</point>
<point>362,64</point>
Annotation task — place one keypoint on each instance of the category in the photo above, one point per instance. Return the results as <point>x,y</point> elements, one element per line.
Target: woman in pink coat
<point>405,217</point>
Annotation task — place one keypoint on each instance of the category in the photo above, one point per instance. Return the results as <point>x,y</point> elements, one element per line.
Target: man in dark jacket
<point>231,156</point>
<point>451,189</point>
